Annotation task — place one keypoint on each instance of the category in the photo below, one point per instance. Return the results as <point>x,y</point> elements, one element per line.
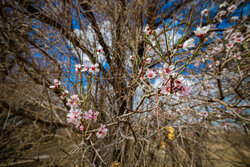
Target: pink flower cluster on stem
<point>83,68</point>
<point>74,116</point>
<point>201,32</point>
<point>91,115</point>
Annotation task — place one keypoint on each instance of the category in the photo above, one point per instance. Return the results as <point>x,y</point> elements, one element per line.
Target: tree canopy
<point>124,83</point>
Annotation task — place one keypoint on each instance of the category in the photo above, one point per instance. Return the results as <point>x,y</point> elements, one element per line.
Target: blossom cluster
<point>91,115</point>
<point>171,81</point>
<point>74,101</point>
<point>225,10</point>
<point>236,38</point>
<point>232,46</point>
<point>83,68</point>
<point>76,116</point>
<point>179,87</point>
<point>75,113</point>
<point>169,84</point>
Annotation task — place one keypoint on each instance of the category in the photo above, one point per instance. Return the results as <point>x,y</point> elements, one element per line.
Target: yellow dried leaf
<point>163,145</point>
<point>171,136</point>
<point>116,164</point>
<point>170,129</point>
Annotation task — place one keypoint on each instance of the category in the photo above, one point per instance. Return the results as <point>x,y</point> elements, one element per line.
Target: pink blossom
<point>64,94</point>
<point>178,82</point>
<point>229,45</point>
<point>165,89</point>
<point>53,87</point>
<point>238,55</point>
<point>148,60</point>
<point>74,101</point>
<point>56,84</point>
<point>205,114</point>
<point>227,127</point>
<point>81,68</point>
<point>131,57</point>
<point>204,12</point>
<point>99,50</point>
<point>84,68</point>
<point>141,73</point>
<point>231,8</point>
<point>74,116</point>
<point>147,30</point>
<point>102,131</point>
<point>81,128</point>
<point>150,74</point>
<point>142,77</point>
<point>91,115</point>
<point>188,44</point>
<point>201,32</point>
<point>166,70</point>
<point>94,69</point>
<point>150,49</point>
<point>221,13</point>
<point>185,90</point>
<point>77,68</point>
<point>239,39</point>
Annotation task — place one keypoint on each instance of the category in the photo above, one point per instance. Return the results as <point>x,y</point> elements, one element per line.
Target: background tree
<point>46,40</point>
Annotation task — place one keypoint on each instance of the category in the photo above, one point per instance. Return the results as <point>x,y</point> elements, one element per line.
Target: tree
<point>129,65</point>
